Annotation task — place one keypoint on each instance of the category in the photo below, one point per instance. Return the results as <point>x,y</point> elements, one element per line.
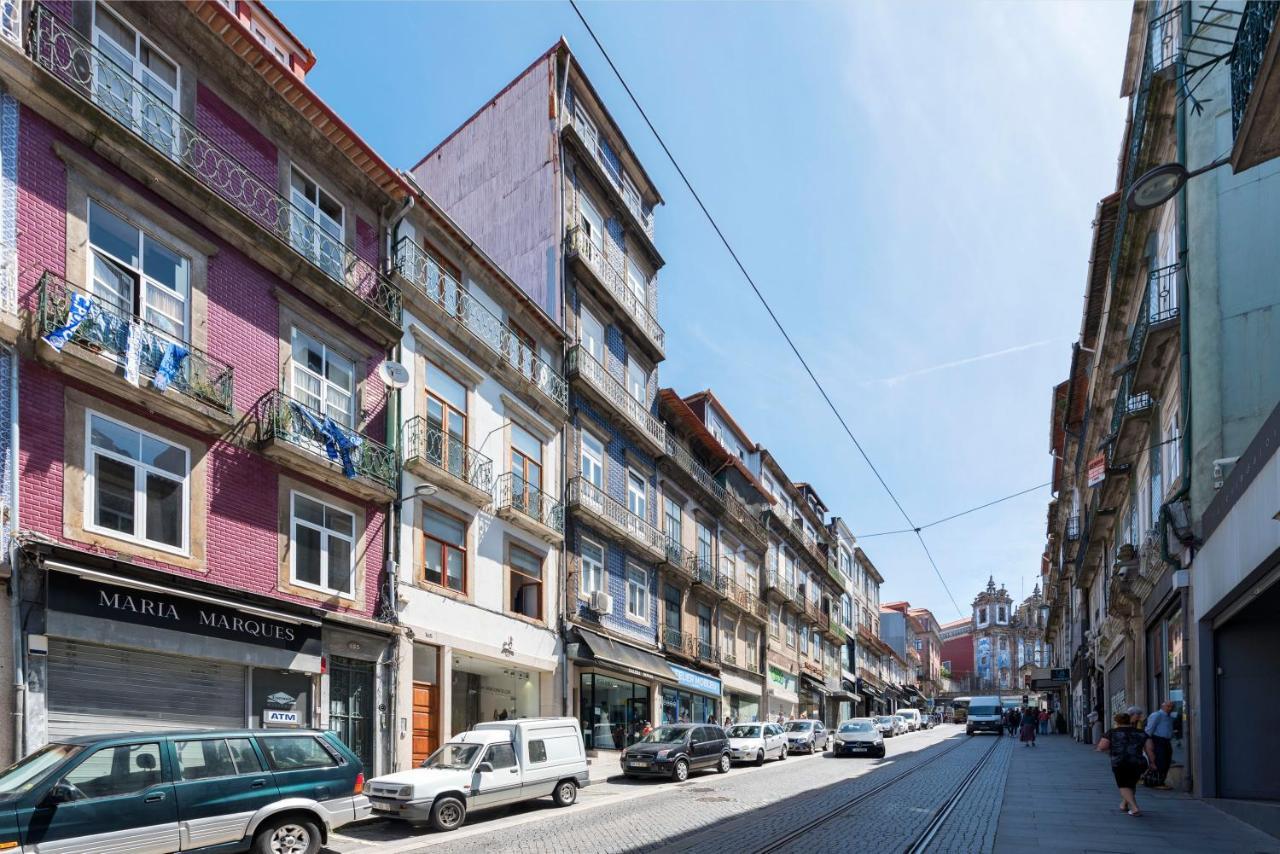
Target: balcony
<point>800,539</point>
<point>528,508</point>
<point>591,501</point>
<point>683,463</point>
<point>680,560</point>
<point>1255,87</point>
<point>476,330</point>
<point>592,264</point>
<point>311,443</point>
<point>601,387</point>
<point>1156,328</point>
<point>196,174</point>
<point>445,461</point>
<point>175,379</point>
<point>581,131</point>
<point>746,521</point>
<point>1129,422</point>
<point>1073,528</point>
<point>744,599</point>
<point>689,646</point>
<point>777,582</point>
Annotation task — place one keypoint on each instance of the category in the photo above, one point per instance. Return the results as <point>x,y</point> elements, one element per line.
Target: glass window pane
<point>339,370</point>
<point>200,760</point>
<point>162,455</point>
<point>302,185</point>
<point>525,442</point>
<point>163,69</point>
<point>113,235</point>
<point>114,437</point>
<point>444,527</point>
<point>113,282</point>
<point>457,563</point>
<point>446,388</point>
<point>165,311</point>
<point>117,30</point>
<point>113,500</point>
<point>306,351</point>
<point>308,510</point>
<point>164,510</point>
<point>286,753</point>
<point>306,558</point>
<point>527,562</point>
<point>433,570</point>
<point>114,771</point>
<point>164,266</point>
<point>246,758</point>
<point>336,520</point>
<point>339,564</point>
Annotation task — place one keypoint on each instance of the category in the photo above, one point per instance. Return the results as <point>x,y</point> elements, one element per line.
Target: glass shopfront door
<point>614,713</point>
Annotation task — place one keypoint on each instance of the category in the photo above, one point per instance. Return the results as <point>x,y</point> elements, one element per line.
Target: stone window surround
<point>284,537</point>
<point>540,552</point>
<point>76,406</point>
<point>294,311</point>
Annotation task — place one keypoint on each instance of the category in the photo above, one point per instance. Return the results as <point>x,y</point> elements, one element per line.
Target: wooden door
<point>426,726</point>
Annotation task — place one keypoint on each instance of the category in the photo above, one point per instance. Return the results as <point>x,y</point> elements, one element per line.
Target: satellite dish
<point>393,374</point>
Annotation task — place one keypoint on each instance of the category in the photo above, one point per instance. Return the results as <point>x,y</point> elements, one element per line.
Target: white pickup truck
<point>494,764</point>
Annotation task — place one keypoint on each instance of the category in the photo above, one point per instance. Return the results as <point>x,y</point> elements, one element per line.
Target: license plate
<point>636,763</point>
<point>384,806</point>
<point>857,747</point>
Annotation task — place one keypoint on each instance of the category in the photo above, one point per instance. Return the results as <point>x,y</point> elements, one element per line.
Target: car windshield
<point>856,726</point>
<point>984,710</point>
<point>884,720</point>
<point>665,735</point>
<point>22,775</point>
<point>453,756</point>
<point>744,731</point>
<point>799,726</point>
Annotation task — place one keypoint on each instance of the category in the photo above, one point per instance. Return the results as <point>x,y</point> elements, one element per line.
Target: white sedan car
<point>900,725</point>
<point>756,742</point>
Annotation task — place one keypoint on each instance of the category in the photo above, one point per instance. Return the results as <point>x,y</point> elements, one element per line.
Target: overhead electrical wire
<point>764,302</point>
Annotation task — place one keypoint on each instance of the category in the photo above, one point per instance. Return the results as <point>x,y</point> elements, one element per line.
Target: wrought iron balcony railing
<point>745,599</point>
<point>583,364</point>
<point>615,282</point>
<point>687,644</point>
<point>704,570</point>
<point>686,462</point>
<point>1073,528</point>
<point>61,50</point>
<point>427,442</point>
<point>426,274</point>
<point>108,327</point>
<point>746,518</point>
<point>585,494</point>
<point>512,491</point>
<point>680,559</point>
<point>1256,25</point>
<point>777,581</point>
<point>1126,404</point>
<point>587,130</point>
<point>283,418</point>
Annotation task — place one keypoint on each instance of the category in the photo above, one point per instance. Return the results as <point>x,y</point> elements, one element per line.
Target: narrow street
<point>821,803</point>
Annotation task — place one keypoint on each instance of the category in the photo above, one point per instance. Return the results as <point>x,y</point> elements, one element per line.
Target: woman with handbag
<point>1132,754</point>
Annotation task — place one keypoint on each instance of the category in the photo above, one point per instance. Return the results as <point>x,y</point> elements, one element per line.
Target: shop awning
<point>871,691</point>
<point>629,658</point>
<point>848,691</point>
<point>816,685</point>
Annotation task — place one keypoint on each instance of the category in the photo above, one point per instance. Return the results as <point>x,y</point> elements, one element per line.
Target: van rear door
<point>551,753</point>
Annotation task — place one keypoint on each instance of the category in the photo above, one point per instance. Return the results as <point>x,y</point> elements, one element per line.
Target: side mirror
<point>484,768</point>
<point>61,793</point>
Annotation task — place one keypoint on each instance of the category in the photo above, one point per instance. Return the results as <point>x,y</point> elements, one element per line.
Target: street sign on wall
<point>1097,469</point>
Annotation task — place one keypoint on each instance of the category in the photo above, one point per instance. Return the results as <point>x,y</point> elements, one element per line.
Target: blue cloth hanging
<point>170,363</point>
<point>339,444</point>
<point>79,307</point>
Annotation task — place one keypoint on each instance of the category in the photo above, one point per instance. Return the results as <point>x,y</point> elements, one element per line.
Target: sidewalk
<point>1060,796</point>
<point>605,764</point>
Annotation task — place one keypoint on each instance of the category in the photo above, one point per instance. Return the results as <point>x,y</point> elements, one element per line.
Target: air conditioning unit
<point>601,602</point>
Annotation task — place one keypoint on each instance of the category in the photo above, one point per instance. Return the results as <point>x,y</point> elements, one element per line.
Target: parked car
<point>985,714</point>
<point>912,718</point>
<point>859,737</point>
<point>160,792</point>
<point>673,750</point>
<point>808,736</point>
<point>756,742</point>
<point>899,725</point>
<point>886,726</point>
<point>495,764</point>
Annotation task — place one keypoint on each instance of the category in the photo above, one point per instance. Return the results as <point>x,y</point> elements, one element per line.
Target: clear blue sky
<point>911,185</point>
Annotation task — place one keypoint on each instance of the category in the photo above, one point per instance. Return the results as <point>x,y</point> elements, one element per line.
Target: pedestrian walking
<point>1131,754</point>
<point>1014,721</point>
<point>1030,723</point>
<point>1044,721</point>
<point>1160,731</point>
<point>1095,727</point>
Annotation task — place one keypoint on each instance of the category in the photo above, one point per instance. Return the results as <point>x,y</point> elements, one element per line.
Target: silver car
<point>859,737</point>
<point>807,736</point>
<point>756,742</point>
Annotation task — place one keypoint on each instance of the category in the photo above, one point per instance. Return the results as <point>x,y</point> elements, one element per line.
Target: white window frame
<point>325,382</point>
<point>324,552</point>
<point>1173,451</point>
<point>641,591</point>
<point>587,211</point>
<point>637,283</point>
<point>137,70</point>
<point>316,215</point>
<point>641,498</point>
<point>585,457</point>
<point>141,469</point>
<point>638,392</point>
<point>591,333</point>
<point>587,589</point>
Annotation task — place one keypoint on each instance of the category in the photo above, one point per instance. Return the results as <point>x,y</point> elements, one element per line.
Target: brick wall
<point>216,119</point>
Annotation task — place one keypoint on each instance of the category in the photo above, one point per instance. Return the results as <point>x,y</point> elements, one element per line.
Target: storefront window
<point>685,707</point>
<point>483,690</point>
<point>614,712</point>
<point>743,708</point>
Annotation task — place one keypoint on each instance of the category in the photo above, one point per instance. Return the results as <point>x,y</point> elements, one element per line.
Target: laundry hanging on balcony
<point>340,445</point>
<point>133,352</point>
<point>79,307</point>
<point>171,361</point>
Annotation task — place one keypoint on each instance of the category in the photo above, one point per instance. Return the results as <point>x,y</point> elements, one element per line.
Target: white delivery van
<point>494,764</point>
<point>985,715</point>
<point>912,717</point>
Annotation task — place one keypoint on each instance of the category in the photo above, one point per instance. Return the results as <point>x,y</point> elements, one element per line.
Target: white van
<point>495,764</point>
<point>912,717</point>
<point>986,714</point>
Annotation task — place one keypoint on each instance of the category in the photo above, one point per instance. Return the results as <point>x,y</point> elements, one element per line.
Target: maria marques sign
<point>76,595</point>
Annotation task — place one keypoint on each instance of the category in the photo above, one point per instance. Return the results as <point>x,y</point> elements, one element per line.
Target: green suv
<point>269,792</point>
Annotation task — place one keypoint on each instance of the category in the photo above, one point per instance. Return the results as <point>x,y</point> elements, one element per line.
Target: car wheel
<point>968,732</point>
<point>680,773</point>
<point>288,835</point>
<point>783,754</point>
<point>448,814</point>
<point>724,765</point>
<point>565,794</point>
<point>759,758</point>
<point>881,753</point>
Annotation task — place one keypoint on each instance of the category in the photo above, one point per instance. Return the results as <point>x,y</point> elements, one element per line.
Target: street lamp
<point>1160,184</point>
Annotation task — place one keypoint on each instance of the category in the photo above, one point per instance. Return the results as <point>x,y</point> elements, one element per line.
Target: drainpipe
<point>15,577</point>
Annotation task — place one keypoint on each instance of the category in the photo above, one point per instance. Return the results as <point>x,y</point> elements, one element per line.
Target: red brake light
<point>360,783</point>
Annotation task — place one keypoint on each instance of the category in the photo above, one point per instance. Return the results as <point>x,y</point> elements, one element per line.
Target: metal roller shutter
<point>96,689</point>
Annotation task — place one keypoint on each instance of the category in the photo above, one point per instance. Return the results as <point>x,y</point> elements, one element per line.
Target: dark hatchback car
<point>674,750</point>
<point>202,791</point>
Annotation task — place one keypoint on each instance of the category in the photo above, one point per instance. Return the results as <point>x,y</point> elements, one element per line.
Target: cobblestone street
<point>850,804</point>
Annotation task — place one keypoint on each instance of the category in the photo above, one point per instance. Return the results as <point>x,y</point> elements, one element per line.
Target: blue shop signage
<point>695,681</point>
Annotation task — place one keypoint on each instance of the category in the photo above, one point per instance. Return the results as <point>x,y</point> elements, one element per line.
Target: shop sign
<point>782,679</point>
<point>697,681</point>
<point>279,717</point>
<point>1097,469</point>
<point>73,594</point>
